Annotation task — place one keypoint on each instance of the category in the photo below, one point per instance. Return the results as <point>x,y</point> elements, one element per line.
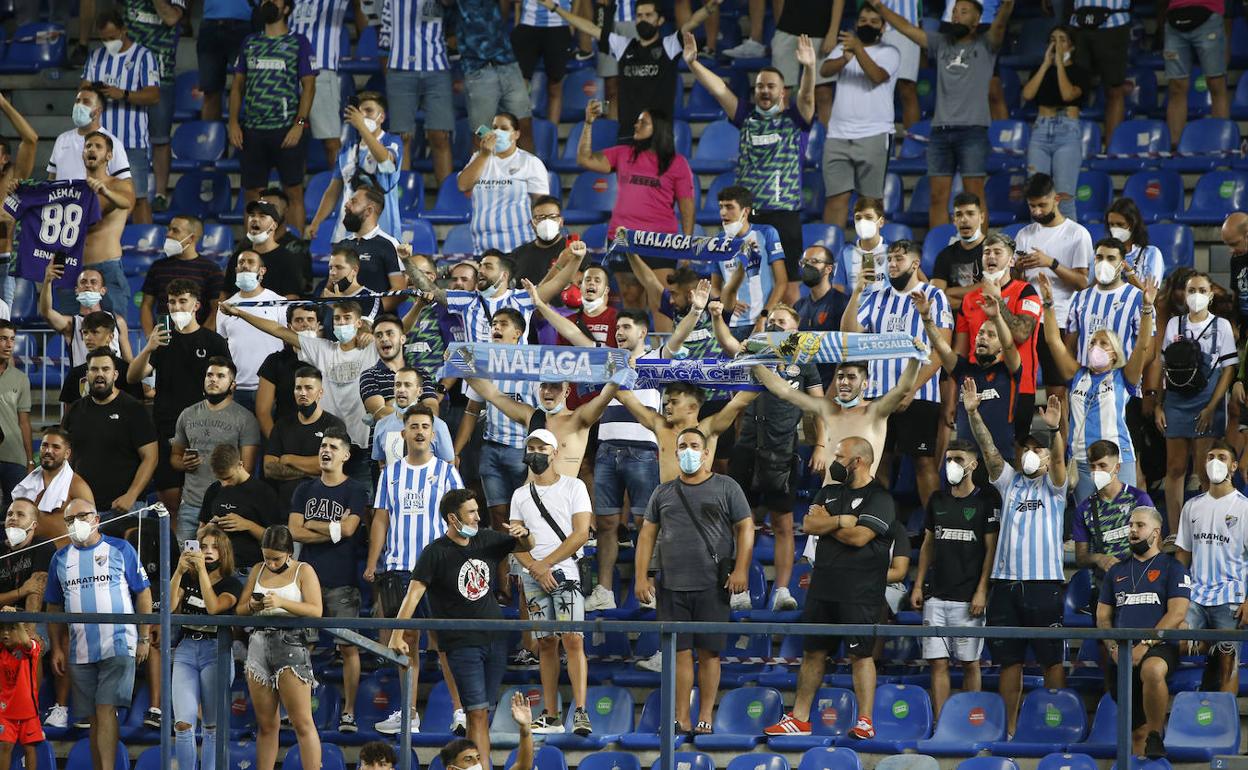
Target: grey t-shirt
<point>719,503</point>
<point>963,74</point>
<point>202,428</point>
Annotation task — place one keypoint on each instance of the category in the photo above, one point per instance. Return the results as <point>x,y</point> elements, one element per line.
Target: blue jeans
<point>502,472</point>
<point>478,673</point>
<point>188,522</point>
<point>620,468</point>
<point>958,150</point>
<point>1056,149</point>
<point>194,687</point>
<point>1084,487</point>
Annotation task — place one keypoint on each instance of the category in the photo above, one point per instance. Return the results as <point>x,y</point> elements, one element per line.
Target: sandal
<point>703,728</point>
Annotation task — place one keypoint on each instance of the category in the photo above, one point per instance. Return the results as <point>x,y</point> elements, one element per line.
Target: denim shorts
<point>496,88</point>
<point>160,116</point>
<point>272,651</point>
<point>502,472</point>
<point>620,468</point>
<point>478,673</point>
<point>412,92</point>
<point>140,170</point>
<point>1212,616</point>
<point>958,150</point>
<point>107,682</point>
<point>217,45</point>
<point>1207,42</point>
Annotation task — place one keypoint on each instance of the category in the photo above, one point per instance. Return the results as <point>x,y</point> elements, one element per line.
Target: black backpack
<point>1186,368</point>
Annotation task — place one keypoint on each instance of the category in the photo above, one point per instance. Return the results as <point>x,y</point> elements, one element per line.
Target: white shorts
<point>940,612</point>
<point>910,52</point>
<point>784,58</point>
<point>326,117</point>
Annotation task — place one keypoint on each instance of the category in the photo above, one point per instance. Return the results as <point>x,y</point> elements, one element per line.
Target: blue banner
<point>705,372</point>
<point>826,348</point>
<point>676,246</point>
<point>538,363</point>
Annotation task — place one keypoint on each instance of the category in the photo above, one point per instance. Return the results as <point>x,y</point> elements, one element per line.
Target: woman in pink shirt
<point>651,178</point>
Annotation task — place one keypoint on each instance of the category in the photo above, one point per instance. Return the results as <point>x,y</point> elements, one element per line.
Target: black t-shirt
<point>461,580</point>
<point>805,17</point>
<point>335,563</point>
<point>533,259</point>
<point>1239,285</point>
<point>291,437</point>
<point>647,82</point>
<point>180,368</point>
<point>106,440</point>
<point>958,526</point>
<point>75,385</point>
<point>770,420</point>
<point>255,501</point>
<point>193,597</point>
<point>17,569</point>
<point>279,369</point>
<point>959,267</point>
<point>287,269</point>
<point>844,573</point>
<point>378,260</point>
<point>998,390</point>
<point>1049,94</point>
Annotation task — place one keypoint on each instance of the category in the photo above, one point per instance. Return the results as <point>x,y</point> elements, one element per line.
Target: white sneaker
<point>652,663</point>
<point>58,716</point>
<point>602,598</point>
<point>783,601</point>
<point>394,723</point>
<point>740,602</point>
<point>748,49</point>
<point>459,723</point>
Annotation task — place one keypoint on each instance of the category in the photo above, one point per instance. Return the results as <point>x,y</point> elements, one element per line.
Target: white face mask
<point>181,319</point>
<point>866,229</point>
<point>1216,470</point>
<point>592,306</point>
<point>15,535</point>
<point>490,292</point>
<point>173,247</point>
<point>257,238</point>
<point>555,410</point>
<point>547,229</point>
<point>247,281</point>
<point>995,276</point>
<point>1101,479</point>
<point>733,229</point>
<point>370,125</point>
<point>89,298</point>
<point>308,334</point>
<point>954,472</point>
<point>1066,57</point>
<point>1197,302</point>
<point>1031,462</point>
<point>972,237</point>
<point>81,115</point>
<point>1121,233</point>
<point>1106,273</point>
<point>113,47</point>
<point>344,334</point>
<point>79,531</point>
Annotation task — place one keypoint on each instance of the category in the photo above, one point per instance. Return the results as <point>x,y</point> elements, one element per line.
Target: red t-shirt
<point>645,199</point>
<point>19,684</point>
<point>602,329</point>
<point>1021,299</point>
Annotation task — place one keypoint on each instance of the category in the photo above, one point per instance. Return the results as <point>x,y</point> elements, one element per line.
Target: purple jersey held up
<point>52,217</point>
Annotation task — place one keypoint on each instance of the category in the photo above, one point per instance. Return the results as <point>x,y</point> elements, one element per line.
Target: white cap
<point>544,436</point>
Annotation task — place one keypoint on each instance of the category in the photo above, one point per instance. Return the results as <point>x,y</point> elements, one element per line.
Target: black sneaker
<point>160,203</point>
<point>346,723</point>
<point>585,55</point>
<point>1153,747</point>
<point>580,723</point>
<point>152,719</point>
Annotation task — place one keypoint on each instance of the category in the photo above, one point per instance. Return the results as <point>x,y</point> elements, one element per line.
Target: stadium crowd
<point>293,416</point>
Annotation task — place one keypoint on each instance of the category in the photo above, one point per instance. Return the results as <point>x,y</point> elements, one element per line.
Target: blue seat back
<point>908,762</point>
<point>545,140</point>
<point>377,698</point>
<point>1176,243</point>
<point>44,758</point>
<point>439,711</point>
<point>814,233</point>
<point>419,233</point>
<point>595,237</point>
<point>687,760</point>
<point>578,88</point>
<point>682,133</point>
<point>188,99</point>
<point>204,194</point>
<point>604,134</point>
<point>710,203</point>
<point>503,721</point>
<point>610,710</point>
<point>200,141</point>
<point>331,758</point>
<point>1009,137</point>
<point>934,242</point>
<point>746,648</point>
<point>1006,193</point>
<point>651,710</point>
<point>719,142</point>
<point>411,192</point>
<point>545,758</point>
<point>755,761</point>
<point>1219,193</point>
<point>458,241</point>
<point>1055,716</point>
<point>1078,591</point>
<point>241,755</point>
<point>1060,761</point>
<point>218,240</point>
<point>1142,95</point>
<point>747,710</point>
<point>450,199</point>
<point>35,47</point>
<point>902,712</point>
<point>833,711</point>
<point>609,760</point>
<point>921,198</point>
<point>987,763</point>
<point>80,756</point>
<point>1158,194</point>
<point>1209,136</point>
<point>593,192</point>
<point>971,717</point>
<point>915,143</point>
<point>1139,138</point>
<point>1104,722</point>
<point>147,239</point>
<point>829,758</point>
<point>1204,720</point>
<point>314,190</point>
<point>1093,194</point>
<point>1090,137</point>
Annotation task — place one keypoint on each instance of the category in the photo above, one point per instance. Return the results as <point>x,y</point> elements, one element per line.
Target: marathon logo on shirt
<point>955,535</point>
<point>1211,537</point>
<point>73,584</point>
<point>1124,599</point>
<point>266,63</point>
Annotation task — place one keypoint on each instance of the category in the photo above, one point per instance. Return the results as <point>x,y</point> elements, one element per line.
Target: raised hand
<point>1150,293</point>
<point>990,306</point>
<point>1046,288</point>
<point>593,110</point>
<point>1053,413</point>
<point>690,52</point>
<point>805,52</point>
<point>700,295</point>
<point>921,303</point>
<point>520,709</point>
<point>970,395</point>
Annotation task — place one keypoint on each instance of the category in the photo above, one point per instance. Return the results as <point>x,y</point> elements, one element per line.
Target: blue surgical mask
<point>467,530</point>
<point>770,112</point>
<point>81,115</point>
<point>502,141</point>
<point>690,461</point>
<point>89,298</point>
<point>247,281</point>
<point>344,334</point>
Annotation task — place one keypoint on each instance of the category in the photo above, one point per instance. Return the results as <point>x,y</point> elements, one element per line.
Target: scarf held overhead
<point>700,248</point>
<point>826,348</point>
<point>538,363</point>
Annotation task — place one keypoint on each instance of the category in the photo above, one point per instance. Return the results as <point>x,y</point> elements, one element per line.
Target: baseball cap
<point>263,207</point>
<point>544,436</point>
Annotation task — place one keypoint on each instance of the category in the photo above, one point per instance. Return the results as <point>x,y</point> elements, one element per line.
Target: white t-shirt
<point>248,345</point>
<point>1070,244</point>
<point>1215,531</point>
<point>565,497</point>
<point>1217,342</point>
<point>66,159</point>
<point>863,108</point>
<point>340,370</point>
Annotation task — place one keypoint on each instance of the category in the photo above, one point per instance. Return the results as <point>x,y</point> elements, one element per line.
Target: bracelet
<point>145,640</point>
<point>1048,304</point>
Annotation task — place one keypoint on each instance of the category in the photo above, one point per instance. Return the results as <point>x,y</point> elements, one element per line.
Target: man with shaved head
<point>1235,236</point>
<point>852,517</point>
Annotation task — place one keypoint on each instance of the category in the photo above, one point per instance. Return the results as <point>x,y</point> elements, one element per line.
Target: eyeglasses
<point>546,217</point>
<point>813,263</point>
<point>85,516</point>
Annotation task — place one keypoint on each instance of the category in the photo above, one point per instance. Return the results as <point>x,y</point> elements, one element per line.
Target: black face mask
<point>900,282</point>
<point>959,31</point>
<point>838,472</point>
<point>281,569</point>
<point>646,30</point>
<point>537,462</point>
<point>1044,219</point>
<point>811,276</point>
<point>352,222</point>
<point>343,284</point>
<point>1140,547</point>
<point>268,13</point>
<point>216,398</point>
<point>308,410</point>
<point>212,566</point>
<point>867,34</point>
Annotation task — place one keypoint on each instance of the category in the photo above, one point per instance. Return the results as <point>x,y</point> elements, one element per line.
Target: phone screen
<point>163,322</point>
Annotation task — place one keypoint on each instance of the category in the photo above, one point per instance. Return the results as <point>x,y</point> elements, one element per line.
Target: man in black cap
<point>287,270</point>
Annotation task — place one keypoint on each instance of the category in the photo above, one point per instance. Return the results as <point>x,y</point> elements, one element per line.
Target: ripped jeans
<point>194,686</point>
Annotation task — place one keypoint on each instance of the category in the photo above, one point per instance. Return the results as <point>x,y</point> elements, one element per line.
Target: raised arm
<point>515,411</point>
<point>1057,447</point>
<point>1009,351</point>
<point>697,304</point>
<point>806,85</point>
<point>987,447</point>
<point>60,323</point>
<point>709,80</point>
<point>724,418</point>
<point>648,280</point>
<point>585,156</point>
<point>561,323</point>
<point>901,25</point>
<point>588,413</point>
<point>888,403</point>
<point>700,16</point>
<point>1066,364</point>
<point>779,388</point>
<point>646,417</point>
<point>849,319</point>
<point>948,359</point>
<point>728,343</point>
<point>269,327</point>
<point>1146,340</point>
<point>580,23</point>
<point>557,280</point>
<point>24,161</point>
<point>996,32</point>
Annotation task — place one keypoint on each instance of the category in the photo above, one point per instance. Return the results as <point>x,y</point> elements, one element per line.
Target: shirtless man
<point>116,200</point>
<point>681,403</point>
<point>13,168</point>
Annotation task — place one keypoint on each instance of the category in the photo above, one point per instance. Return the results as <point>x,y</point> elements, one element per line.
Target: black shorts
<point>263,152</point>
<point>1103,53</point>
<point>1027,604</point>
<point>1167,652</point>
<point>389,590</point>
<point>549,44</point>
<point>1050,375</point>
<point>913,432</point>
<point>789,225</point>
<point>1024,411</point>
<point>709,605</point>
<point>728,439</point>
<point>764,486</point>
<point>165,476</point>
<point>821,611</point>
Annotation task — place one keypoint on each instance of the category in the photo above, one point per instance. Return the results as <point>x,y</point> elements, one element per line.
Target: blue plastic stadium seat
<point>1135,144</point>
<point>411,193</point>
<point>376,699</point>
<point>740,718</point>
<point>830,758</point>
<point>452,206</point>
<point>969,723</point>
<point>545,140</point>
<point>1217,194</point>
<point>609,760</point>
<point>203,194</point>
<point>591,200</point>
<point>1144,763</point>
<point>1005,198</point>
<point>908,762</point>
<point>314,189</point>
<point>605,133</point>
<point>1157,193</point>
<point>578,88</point>
<point>1027,51</point>
<point>892,232</point>
<point>1078,595</point>
<point>1175,243</point>
<point>799,583</point>
<point>142,239</point>
<point>80,756</point>
<point>912,158</point>
<point>1239,102</point>
<point>709,213</point>
<point>1205,145</point>
<point>1008,140</point>
<point>645,735</point>
<point>813,157</point>
<point>1201,725</point>
<point>331,758</point>
<point>1047,718</point>
<point>1199,100</point>
<point>934,242</point>
<point>987,763</point>
<point>1091,139</point>
<point>35,47</point>
<point>833,711</point>
<point>701,106</point>
<point>902,717</point>
<point>829,235</point>
<point>504,732</point>
<point>1060,761</point>
<point>458,241</point>
<point>755,761</point>
<point>435,721</point>
<point>917,207</point>
<point>365,59</point>
<point>218,241</point>
<point>717,149</point>
<point>683,136</point>
<point>197,143</point>
<point>1093,194</point>
<point>419,233</point>
<point>610,712</point>
<point>687,760</point>
<point>1142,98</point>
<point>461,147</point>
<point>45,759</point>
<point>188,100</point>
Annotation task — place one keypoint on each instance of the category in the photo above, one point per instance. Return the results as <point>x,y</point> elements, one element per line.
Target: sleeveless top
<point>78,348</point>
<point>290,592</point>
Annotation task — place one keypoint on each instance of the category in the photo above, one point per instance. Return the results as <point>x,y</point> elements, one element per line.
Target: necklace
<point>1135,581</point>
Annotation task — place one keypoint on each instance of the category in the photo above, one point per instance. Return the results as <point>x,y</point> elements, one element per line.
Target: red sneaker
<point>788,726</point>
<point>864,730</point>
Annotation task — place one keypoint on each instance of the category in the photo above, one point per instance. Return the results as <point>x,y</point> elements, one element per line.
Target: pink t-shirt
<point>645,200</point>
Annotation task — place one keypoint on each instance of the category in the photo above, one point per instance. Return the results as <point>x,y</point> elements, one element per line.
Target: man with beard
<point>103,247</point>
<point>291,456</point>
<point>113,436</point>
<point>201,428</point>
<point>54,482</point>
<point>388,442</point>
<point>379,269</point>
<point>275,393</point>
<point>249,347</point>
<point>377,381</point>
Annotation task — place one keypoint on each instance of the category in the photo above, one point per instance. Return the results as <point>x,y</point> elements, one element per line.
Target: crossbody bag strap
<point>697,526</point>
<point>541,508</point>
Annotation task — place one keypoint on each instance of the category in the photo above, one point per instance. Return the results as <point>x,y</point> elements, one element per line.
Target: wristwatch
<point>301,121</point>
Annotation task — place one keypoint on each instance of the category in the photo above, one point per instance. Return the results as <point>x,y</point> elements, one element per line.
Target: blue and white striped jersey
<point>910,10</point>
<point>885,310</point>
<point>500,428</point>
<point>1093,309</point>
<point>410,494</point>
<point>1098,405</point>
<point>320,21</point>
<point>101,578</point>
<point>502,214</point>
<point>534,14</point>
<point>411,30</point>
<point>356,160</point>
<point>1121,14</point>
<point>762,250</point>
<point>477,310</point>
<point>625,10</point>
<point>1148,264</point>
<point>619,425</point>
<point>1215,531</point>
<point>131,70</point>
<point>1029,546</point>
